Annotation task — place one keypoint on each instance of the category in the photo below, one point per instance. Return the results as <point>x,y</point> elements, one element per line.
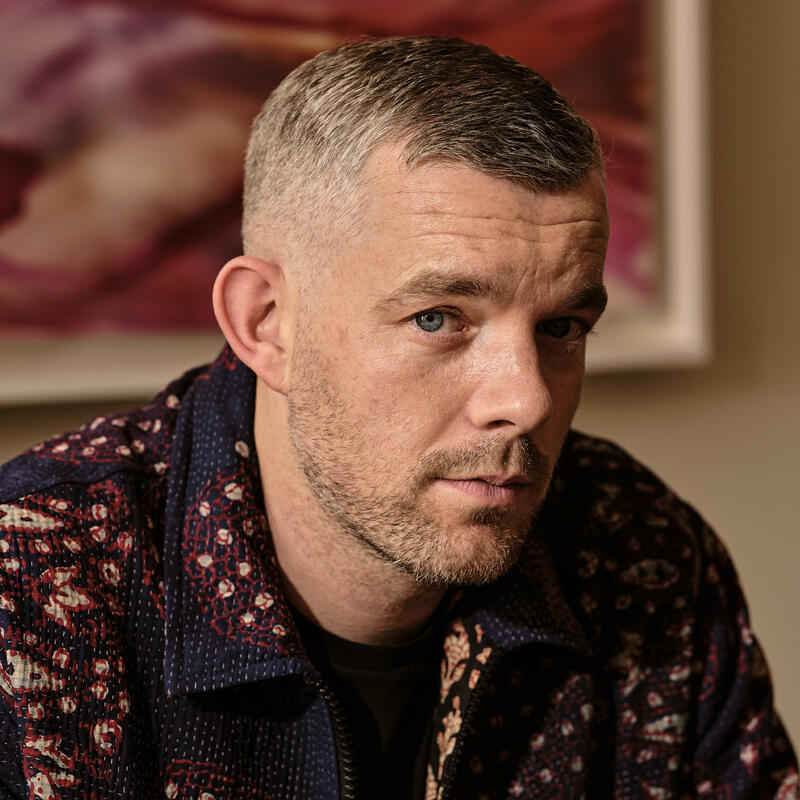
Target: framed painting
<point>122,128</point>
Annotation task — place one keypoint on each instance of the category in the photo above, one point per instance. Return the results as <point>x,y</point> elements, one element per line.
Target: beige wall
<point>727,436</point>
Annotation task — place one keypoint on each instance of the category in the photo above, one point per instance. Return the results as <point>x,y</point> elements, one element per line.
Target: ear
<point>254,308</point>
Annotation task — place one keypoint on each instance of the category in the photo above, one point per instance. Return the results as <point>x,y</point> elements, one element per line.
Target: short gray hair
<point>447,99</point>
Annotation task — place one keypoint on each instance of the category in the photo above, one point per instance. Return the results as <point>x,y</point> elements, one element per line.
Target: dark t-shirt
<point>388,695</point>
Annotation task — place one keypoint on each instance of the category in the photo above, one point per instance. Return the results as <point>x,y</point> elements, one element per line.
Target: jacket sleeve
<point>32,688</point>
<point>12,781</point>
<point>742,751</point>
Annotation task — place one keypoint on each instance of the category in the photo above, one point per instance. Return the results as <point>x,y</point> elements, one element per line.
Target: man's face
<point>439,362</point>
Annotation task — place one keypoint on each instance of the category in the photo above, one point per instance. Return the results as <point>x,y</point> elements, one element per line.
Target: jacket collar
<point>227,621</point>
<point>526,606</point>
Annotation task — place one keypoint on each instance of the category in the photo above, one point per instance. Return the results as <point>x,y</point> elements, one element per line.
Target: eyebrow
<point>593,296</point>
<point>432,284</point>
<point>429,284</point>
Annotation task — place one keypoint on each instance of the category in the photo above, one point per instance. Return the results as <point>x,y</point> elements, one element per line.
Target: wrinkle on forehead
<point>589,242</point>
<point>580,235</point>
<point>433,212</point>
<point>549,219</point>
<point>386,174</point>
<point>507,194</point>
<point>516,213</point>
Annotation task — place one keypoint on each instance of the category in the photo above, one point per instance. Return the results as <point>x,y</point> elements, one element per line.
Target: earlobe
<point>251,304</point>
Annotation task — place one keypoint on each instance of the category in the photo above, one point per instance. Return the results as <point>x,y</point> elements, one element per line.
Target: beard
<point>354,470</point>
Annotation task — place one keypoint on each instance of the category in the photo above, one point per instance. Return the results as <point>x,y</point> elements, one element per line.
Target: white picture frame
<point>678,332</point>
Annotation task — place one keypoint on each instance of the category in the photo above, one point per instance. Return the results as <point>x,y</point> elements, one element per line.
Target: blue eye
<point>430,321</point>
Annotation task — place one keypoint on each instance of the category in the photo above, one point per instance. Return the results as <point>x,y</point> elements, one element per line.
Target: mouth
<point>500,480</point>
<point>490,489</point>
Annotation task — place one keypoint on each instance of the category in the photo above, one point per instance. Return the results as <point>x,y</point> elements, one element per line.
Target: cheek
<point>565,389</point>
<point>413,399</point>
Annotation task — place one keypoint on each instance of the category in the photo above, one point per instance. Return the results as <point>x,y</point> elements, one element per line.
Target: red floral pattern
<point>226,546</point>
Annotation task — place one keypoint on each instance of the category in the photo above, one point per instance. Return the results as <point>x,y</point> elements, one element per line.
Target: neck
<point>329,575</point>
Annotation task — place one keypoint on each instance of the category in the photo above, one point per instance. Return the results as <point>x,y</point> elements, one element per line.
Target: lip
<point>489,489</point>
<point>500,480</point>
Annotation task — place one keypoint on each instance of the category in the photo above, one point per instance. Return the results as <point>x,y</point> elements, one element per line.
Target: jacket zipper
<point>344,746</point>
<point>469,715</point>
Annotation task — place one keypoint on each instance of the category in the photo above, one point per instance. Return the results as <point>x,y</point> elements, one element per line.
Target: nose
<point>511,390</point>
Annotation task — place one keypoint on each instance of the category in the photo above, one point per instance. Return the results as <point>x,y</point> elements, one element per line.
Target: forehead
<point>387,185</point>
<point>450,217</point>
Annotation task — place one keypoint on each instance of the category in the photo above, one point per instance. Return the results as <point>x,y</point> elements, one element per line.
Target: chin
<point>471,555</point>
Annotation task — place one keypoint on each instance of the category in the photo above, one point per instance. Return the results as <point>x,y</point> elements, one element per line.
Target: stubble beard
<point>340,466</point>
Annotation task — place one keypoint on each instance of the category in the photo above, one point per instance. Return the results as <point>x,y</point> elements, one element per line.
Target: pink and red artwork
<point>122,129</point>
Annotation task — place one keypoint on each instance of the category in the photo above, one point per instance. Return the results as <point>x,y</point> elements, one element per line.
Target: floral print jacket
<point>148,651</point>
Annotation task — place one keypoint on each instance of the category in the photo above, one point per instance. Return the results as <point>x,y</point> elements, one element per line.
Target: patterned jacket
<point>148,651</point>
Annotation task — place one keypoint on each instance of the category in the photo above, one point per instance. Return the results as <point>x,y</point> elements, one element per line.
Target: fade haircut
<point>447,99</point>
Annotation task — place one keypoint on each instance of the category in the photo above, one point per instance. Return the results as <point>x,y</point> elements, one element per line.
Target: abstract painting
<point>122,129</point>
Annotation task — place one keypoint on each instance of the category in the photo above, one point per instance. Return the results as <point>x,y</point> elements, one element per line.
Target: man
<point>361,554</point>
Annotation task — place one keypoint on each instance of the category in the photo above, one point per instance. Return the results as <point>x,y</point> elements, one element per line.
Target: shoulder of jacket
<point>137,441</point>
<point>630,553</point>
